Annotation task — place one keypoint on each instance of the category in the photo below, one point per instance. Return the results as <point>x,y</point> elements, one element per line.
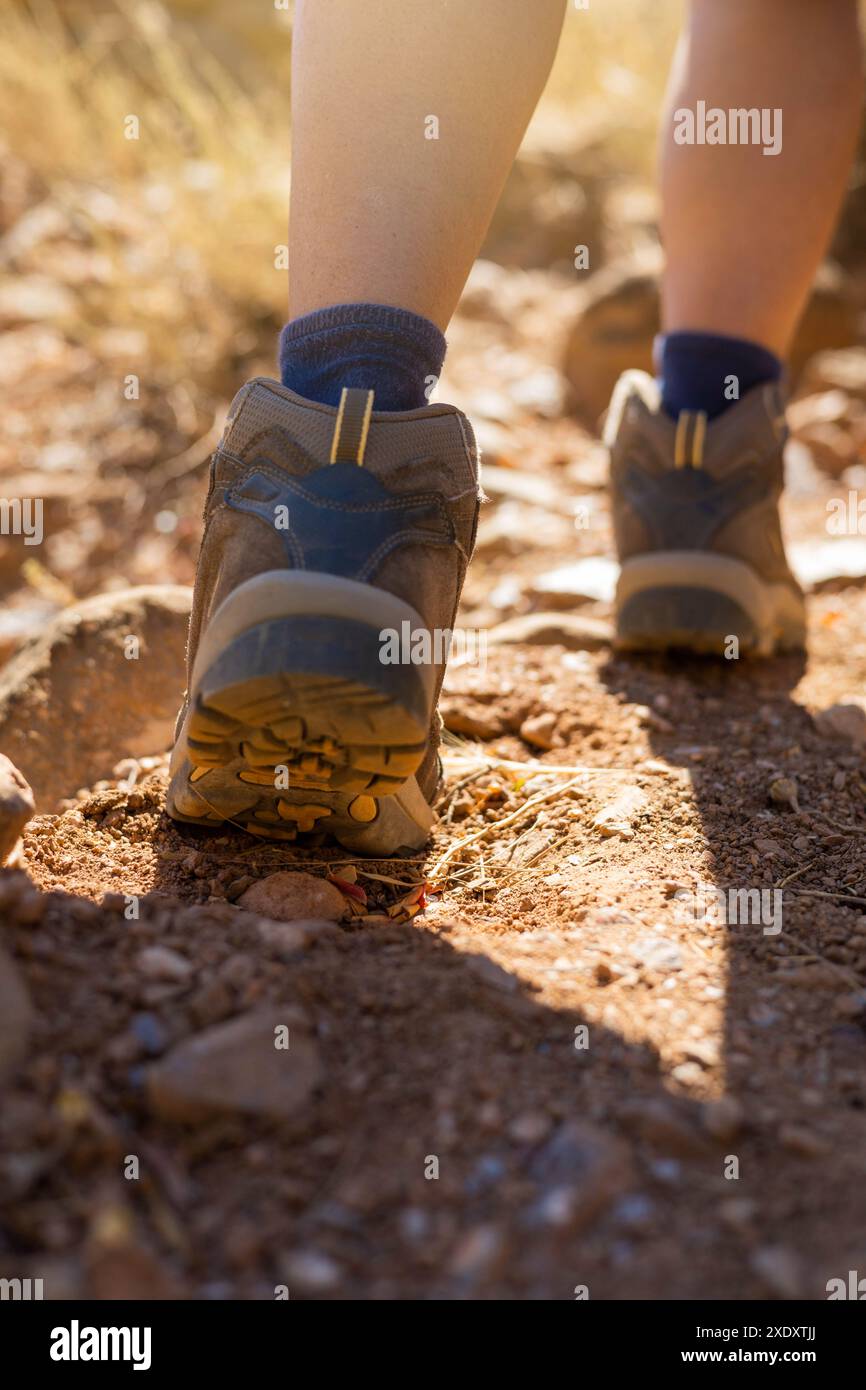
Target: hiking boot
<point>696,519</point>
<point>327,531</point>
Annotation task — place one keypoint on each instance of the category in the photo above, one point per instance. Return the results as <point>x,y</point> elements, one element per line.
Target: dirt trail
<point>563,1071</point>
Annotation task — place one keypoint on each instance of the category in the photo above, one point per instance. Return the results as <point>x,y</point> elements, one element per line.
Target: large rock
<point>293,897</point>
<point>846,720</point>
<point>620,319</point>
<point>239,1068</point>
<point>104,681</point>
<point>16,806</point>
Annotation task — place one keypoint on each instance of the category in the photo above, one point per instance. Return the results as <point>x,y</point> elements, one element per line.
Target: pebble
<point>162,963</point>
<point>635,1211</point>
<point>235,1068</point>
<point>584,1162</point>
<point>768,847</point>
<point>618,816</point>
<point>780,1270</point>
<point>492,974</point>
<point>658,953</point>
<point>846,720</point>
<point>150,1032</point>
<point>569,630</point>
<point>738,1213</point>
<point>783,791</point>
<point>723,1118</point>
<point>539,730</point>
<point>530,1128</point>
<point>212,1003</point>
<point>286,939</point>
<point>594,577</point>
<point>665,1126</point>
<point>310,1271</point>
<point>852,1005</point>
<point>479,1253</point>
<point>16,806</point>
<point>803,1142</point>
<point>292,897</point>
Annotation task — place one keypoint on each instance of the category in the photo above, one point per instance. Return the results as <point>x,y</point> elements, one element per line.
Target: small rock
<point>492,974</point>
<point>780,1270</point>
<point>293,897</point>
<point>658,953</point>
<point>828,563</point>
<point>703,1050</point>
<point>616,818</point>
<point>738,1213</point>
<point>767,847</point>
<point>530,1128</point>
<point>803,1142</point>
<point>150,1033</point>
<point>688,1074</point>
<point>212,1003</point>
<point>635,1212</point>
<point>845,721</point>
<point>236,886</point>
<point>783,791</point>
<point>723,1119</point>
<point>852,1005</point>
<point>236,1068</point>
<point>121,1268</point>
<point>569,630</point>
<point>161,963</point>
<point>665,1125</point>
<point>479,1253</point>
<point>539,730</point>
<point>16,806</point>
<point>594,578</point>
<point>310,1271</point>
<point>285,939</point>
<point>15,1018</point>
<point>237,970</point>
<point>586,1166</point>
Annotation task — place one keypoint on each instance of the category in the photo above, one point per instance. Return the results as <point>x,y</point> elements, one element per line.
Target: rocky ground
<point>529,1061</point>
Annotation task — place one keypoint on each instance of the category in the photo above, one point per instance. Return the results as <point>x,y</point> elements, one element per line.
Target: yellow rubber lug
<point>291,729</point>
<point>305,816</point>
<point>260,778</point>
<point>258,757</point>
<point>363,808</point>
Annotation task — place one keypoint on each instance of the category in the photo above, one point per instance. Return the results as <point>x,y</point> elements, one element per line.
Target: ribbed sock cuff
<point>709,371</point>
<point>395,353</point>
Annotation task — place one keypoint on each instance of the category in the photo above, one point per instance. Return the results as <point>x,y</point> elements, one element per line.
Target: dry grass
<point>188,215</point>
<point>197,204</point>
<point>612,64</point>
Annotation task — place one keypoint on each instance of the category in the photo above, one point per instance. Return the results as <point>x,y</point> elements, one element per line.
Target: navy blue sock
<point>378,348</point>
<point>707,371</point>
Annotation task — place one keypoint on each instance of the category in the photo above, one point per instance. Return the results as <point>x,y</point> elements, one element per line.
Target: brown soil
<point>604,1158</point>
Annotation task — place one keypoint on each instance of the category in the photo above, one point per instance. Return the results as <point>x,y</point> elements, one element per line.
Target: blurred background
<point>138,286</point>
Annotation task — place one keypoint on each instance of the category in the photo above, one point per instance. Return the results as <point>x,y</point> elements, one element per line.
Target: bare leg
<point>381,212</point>
<point>744,232</point>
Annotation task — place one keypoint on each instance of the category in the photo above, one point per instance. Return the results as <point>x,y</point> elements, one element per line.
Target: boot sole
<point>294,724</point>
<point>697,602</point>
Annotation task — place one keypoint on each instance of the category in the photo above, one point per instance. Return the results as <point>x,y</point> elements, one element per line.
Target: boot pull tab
<point>690,437</point>
<point>352,426</point>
